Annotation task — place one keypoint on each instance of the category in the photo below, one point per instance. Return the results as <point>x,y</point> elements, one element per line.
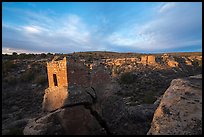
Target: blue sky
<point>65,27</point>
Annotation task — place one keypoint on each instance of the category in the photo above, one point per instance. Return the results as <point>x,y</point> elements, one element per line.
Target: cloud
<point>167,6</point>
<point>164,33</point>
<point>171,26</point>
<point>32,29</point>
<point>11,50</point>
<point>67,34</point>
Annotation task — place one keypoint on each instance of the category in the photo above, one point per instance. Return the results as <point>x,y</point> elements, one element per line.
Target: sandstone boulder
<point>79,120</point>
<point>187,61</point>
<point>81,96</point>
<point>192,58</point>
<point>180,109</point>
<point>75,120</point>
<point>172,63</point>
<point>45,125</point>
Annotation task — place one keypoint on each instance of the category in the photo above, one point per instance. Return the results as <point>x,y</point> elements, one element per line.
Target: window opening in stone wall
<point>55,80</point>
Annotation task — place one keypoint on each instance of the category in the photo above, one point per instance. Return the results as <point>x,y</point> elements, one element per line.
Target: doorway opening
<point>55,80</point>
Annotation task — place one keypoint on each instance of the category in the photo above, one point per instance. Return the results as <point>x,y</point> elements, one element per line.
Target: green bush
<point>8,65</point>
<point>199,63</point>
<point>27,76</point>
<point>127,78</point>
<point>10,80</point>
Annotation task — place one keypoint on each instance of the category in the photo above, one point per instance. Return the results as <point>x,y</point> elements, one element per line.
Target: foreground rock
<point>72,121</point>
<point>180,109</point>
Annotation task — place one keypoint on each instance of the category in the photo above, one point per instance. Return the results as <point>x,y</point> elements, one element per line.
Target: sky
<point>66,27</point>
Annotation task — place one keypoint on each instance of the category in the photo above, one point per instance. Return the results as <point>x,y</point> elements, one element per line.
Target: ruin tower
<point>144,59</point>
<point>57,73</point>
<point>57,92</point>
<point>151,59</point>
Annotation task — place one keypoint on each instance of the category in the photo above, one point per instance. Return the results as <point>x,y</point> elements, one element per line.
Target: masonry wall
<point>151,59</point>
<point>60,69</point>
<point>144,59</point>
<point>148,59</point>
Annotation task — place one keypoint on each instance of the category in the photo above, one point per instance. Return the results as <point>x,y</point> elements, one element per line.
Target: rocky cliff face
<point>94,111</point>
<point>180,109</point>
<point>99,111</point>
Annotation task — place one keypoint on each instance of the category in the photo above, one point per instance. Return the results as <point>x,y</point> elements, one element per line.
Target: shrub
<point>11,80</point>
<point>127,78</point>
<point>27,76</point>
<point>199,63</point>
<point>43,55</point>
<point>22,56</point>
<point>37,67</point>
<point>14,53</point>
<point>8,65</point>
<point>26,56</point>
<point>49,54</point>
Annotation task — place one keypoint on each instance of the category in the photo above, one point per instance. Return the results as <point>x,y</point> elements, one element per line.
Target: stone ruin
<point>61,86</point>
<point>151,60</point>
<point>57,91</point>
<point>57,73</point>
<point>171,62</point>
<point>82,75</point>
<point>148,60</point>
